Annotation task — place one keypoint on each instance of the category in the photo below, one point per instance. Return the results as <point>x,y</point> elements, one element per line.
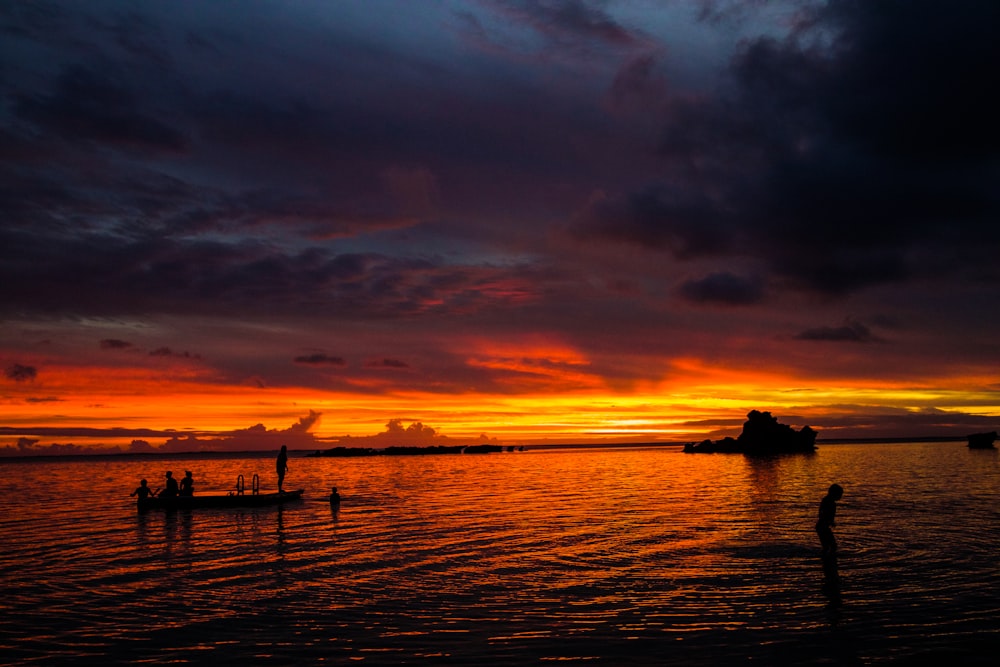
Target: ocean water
<point>643,556</point>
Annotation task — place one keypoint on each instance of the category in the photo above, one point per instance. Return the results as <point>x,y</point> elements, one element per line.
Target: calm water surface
<point>600,556</point>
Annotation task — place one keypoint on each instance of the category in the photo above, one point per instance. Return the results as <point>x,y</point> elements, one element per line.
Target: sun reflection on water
<point>546,555</point>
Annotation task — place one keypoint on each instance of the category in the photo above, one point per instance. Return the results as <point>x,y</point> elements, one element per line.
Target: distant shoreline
<point>311,453</point>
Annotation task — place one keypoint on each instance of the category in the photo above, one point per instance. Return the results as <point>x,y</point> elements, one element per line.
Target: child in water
<point>143,491</point>
<point>826,521</point>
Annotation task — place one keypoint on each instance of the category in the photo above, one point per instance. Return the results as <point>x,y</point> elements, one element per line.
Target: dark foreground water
<point>603,557</point>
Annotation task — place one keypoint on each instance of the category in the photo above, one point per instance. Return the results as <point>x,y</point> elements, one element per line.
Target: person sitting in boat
<point>334,496</point>
<point>143,490</point>
<point>187,484</point>
<point>170,490</point>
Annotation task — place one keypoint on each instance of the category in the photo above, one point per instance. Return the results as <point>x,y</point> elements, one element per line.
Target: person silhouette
<point>334,497</point>
<point>187,484</point>
<point>170,490</point>
<point>143,491</point>
<point>282,465</point>
<point>827,520</point>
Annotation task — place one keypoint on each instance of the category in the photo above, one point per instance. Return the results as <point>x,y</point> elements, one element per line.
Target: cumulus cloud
<point>416,434</point>
<point>138,446</point>
<point>257,437</point>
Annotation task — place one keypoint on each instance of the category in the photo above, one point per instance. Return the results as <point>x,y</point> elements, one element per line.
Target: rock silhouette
<point>762,434</point>
<point>982,440</point>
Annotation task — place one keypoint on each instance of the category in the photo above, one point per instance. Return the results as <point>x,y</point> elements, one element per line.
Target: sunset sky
<point>527,220</point>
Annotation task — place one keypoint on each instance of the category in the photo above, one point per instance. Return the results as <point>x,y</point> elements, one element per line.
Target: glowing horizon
<point>684,408</point>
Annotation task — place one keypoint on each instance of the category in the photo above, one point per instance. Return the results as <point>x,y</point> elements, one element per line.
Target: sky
<point>233,224</point>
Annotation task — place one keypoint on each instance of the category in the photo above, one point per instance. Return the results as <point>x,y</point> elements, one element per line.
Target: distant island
<point>762,434</point>
<point>982,440</point>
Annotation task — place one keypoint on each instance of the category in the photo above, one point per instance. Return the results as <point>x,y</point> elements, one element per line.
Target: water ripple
<point>595,556</point>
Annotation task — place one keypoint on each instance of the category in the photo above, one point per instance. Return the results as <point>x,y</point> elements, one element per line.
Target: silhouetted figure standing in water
<point>170,490</point>
<point>827,520</point>
<point>143,491</point>
<point>282,464</point>
<point>187,484</point>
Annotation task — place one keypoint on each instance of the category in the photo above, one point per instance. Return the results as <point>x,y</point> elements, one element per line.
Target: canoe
<point>221,501</point>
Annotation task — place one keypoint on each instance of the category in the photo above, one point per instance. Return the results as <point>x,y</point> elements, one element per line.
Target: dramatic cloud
<point>550,204</point>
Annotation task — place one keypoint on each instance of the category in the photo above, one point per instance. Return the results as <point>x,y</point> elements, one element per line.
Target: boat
<point>227,501</point>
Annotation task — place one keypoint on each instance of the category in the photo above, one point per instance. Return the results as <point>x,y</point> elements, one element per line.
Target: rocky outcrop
<point>983,440</point>
<point>762,434</point>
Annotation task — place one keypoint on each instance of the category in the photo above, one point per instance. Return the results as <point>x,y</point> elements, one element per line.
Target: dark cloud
<point>574,19</point>
<point>864,421</point>
<point>90,106</point>
<point>20,372</point>
<point>320,359</point>
<point>838,155</point>
<point>682,221</point>
<point>172,168</point>
<point>115,344</point>
<point>167,352</point>
<point>577,27</point>
<point>387,363</point>
<point>723,288</point>
<point>638,86</point>
<point>30,447</point>
<point>849,332</point>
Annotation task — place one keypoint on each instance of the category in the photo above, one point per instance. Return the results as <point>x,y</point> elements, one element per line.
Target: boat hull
<point>226,501</point>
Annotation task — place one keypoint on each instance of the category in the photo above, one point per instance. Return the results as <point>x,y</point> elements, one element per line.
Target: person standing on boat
<point>170,490</point>
<point>282,464</point>
<point>187,484</point>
